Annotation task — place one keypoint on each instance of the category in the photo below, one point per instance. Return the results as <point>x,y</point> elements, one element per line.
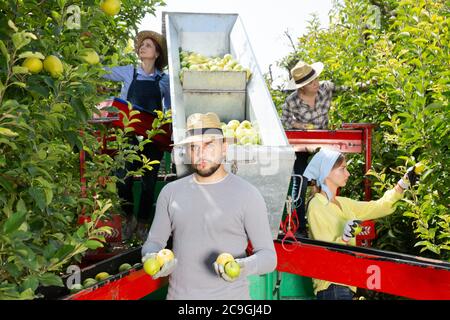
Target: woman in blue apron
<point>146,86</point>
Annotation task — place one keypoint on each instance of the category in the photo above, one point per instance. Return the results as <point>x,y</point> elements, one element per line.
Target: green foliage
<point>400,51</point>
<point>43,126</point>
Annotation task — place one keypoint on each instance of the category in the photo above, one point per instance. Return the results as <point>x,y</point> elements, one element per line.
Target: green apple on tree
<point>54,66</point>
<point>110,7</point>
<point>34,65</point>
<point>90,56</point>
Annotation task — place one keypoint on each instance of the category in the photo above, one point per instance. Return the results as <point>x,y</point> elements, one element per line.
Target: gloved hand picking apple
<point>351,229</point>
<point>411,176</point>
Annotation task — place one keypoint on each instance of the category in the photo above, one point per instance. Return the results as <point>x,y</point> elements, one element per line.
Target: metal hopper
<point>267,166</point>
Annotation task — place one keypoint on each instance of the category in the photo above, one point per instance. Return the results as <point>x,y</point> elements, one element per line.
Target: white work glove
<point>220,271</point>
<point>350,230</point>
<point>409,179</point>
<point>166,269</point>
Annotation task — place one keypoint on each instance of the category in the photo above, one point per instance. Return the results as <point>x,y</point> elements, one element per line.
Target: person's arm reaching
<point>117,73</point>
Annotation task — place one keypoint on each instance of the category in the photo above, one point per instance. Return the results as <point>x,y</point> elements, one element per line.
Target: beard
<point>206,172</point>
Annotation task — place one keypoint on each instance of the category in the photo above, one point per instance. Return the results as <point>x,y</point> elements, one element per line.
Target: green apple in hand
<point>232,269</point>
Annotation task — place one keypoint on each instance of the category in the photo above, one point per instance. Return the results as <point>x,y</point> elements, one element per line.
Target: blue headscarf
<point>320,167</point>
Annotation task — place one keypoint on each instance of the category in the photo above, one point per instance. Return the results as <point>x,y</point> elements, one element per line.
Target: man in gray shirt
<point>208,213</point>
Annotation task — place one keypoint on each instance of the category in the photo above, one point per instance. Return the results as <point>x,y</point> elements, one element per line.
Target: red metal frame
<point>355,138</point>
<point>134,286</point>
<point>399,274</point>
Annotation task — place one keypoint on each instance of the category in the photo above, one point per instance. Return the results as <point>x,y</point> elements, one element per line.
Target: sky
<point>265,23</point>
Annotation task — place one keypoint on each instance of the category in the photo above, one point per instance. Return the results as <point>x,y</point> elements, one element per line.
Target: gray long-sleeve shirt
<point>206,220</point>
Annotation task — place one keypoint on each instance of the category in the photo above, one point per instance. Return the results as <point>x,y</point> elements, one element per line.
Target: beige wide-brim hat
<point>303,73</point>
<point>159,38</point>
<point>202,127</point>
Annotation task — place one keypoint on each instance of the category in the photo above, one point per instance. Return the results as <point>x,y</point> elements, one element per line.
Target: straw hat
<point>303,73</point>
<point>201,127</point>
<point>159,38</point>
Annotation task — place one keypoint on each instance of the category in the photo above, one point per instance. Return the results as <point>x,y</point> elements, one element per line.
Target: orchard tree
<point>51,58</point>
<point>400,51</point>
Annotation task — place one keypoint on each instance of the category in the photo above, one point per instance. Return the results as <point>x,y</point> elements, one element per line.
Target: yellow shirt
<point>326,220</point>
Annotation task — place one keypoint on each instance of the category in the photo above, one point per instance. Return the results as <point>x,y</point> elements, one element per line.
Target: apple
<point>419,167</point>
<point>197,62</point>
<point>34,65</point>
<point>233,124</point>
<point>54,66</point>
<point>358,230</point>
<point>102,276</point>
<point>164,256</point>
<point>232,269</point>
<point>90,56</point>
<point>249,139</point>
<point>124,267</point>
<point>88,282</point>
<point>76,287</point>
<point>223,258</point>
<point>228,133</point>
<point>110,7</point>
<point>246,124</point>
<point>248,72</point>
<point>152,266</point>
<point>227,57</point>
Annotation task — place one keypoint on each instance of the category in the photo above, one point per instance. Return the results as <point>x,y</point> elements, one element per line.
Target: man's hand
<point>166,269</point>
<point>351,229</point>
<point>220,270</point>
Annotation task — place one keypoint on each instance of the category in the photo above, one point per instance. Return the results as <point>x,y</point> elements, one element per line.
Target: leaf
<point>6,184</point>
<point>4,51</point>
<point>9,143</point>
<point>81,232</point>
<point>64,251</point>
<point>30,54</point>
<point>50,279</point>
<point>19,84</point>
<point>93,244</point>
<point>39,196</point>
<point>30,282</point>
<point>28,294</point>
<point>19,70</point>
<point>7,132</point>
<point>48,195</point>
<point>12,26</point>
<point>12,269</point>
<point>14,221</point>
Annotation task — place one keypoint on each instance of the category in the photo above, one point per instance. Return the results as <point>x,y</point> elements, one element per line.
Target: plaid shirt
<point>297,111</point>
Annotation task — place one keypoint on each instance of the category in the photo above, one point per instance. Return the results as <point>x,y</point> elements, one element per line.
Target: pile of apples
<point>241,132</point>
<point>197,62</point>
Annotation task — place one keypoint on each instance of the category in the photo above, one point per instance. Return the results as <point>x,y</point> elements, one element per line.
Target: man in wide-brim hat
<point>208,213</point>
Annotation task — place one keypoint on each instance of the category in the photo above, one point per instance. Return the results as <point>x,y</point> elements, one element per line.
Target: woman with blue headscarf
<point>336,219</point>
